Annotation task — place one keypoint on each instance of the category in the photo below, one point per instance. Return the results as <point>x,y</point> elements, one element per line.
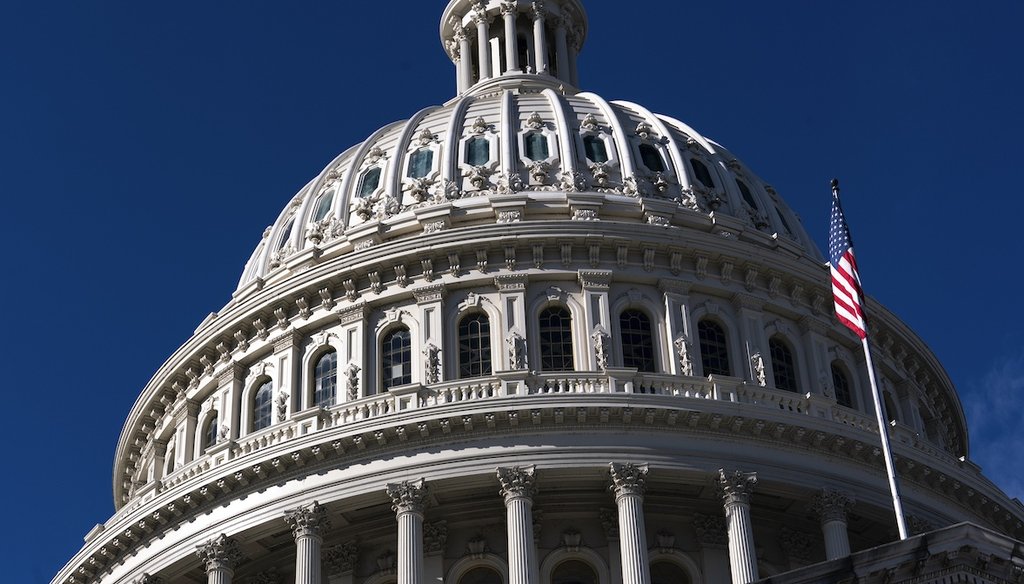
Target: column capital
<point>831,505</point>
<point>509,7</point>
<point>518,482</point>
<point>220,553</point>
<point>408,496</point>
<point>736,487</point>
<point>307,520</point>
<point>628,478</point>
<point>479,14</point>
<point>537,9</point>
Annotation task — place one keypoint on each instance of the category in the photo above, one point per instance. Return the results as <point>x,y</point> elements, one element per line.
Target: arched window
<point>420,163</point>
<point>396,359</point>
<point>481,575</point>
<point>325,380</point>
<point>369,182</point>
<point>663,572</point>
<point>783,365</point>
<point>536,146</point>
<point>323,206</point>
<point>474,346</point>
<point>595,149</point>
<point>556,339</point>
<point>574,572</point>
<point>714,348</point>
<point>651,158</point>
<point>169,461</point>
<point>747,195</point>
<point>263,406</point>
<point>891,413</point>
<point>637,340</point>
<point>210,430</point>
<point>702,173</point>
<point>478,151</point>
<point>841,382</point>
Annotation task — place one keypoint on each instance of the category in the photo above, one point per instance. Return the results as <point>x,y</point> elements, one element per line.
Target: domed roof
<point>528,136</point>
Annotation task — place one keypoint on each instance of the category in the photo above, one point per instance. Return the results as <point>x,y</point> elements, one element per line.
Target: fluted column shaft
<point>831,507</point>
<point>465,61</point>
<point>483,37</point>
<point>307,525</point>
<point>518,487</point>
<point>219,556</point>
<point>508,12</point>
<point>736,490</point>
<point>540,41</point>
<point>629,483</point>
<point>409,498</point>
<point>562,50</point>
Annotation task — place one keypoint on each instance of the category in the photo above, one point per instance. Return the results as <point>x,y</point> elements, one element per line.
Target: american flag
<point>846,289</point>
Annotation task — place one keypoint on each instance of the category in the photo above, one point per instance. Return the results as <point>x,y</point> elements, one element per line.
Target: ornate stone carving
<point>408,496</point>
<point>666,541</point>
<point>831,505</point>
<point>431,363</point>
<point>572,181</point>
<point>479,126</point>
<point>758,368</point>
<point>341,558</point>
<point>682,344</point>
<point>266,577</point>
<point>516,350</point>
<point>435,537</point>
<point>602,345</point>
<point>281,405</point>
<point>535,121</point>
<point>610,523</point>
<point>477,547</point>
<point>797,545</point>
<point>148,579</point>
<point>510,216</point>
<point>600,174</point>
<point>308,520</point>
<point>736,487</point>
<point>572,539</point>
<point>517,481</point>
<point>510,182</point>
<point>918,525</point>
<point>386,562</point>
<point>219,553</point>
<point>590,124</point>
<point>628,478</point>
<point>710,529</point>
<point>585,215</point>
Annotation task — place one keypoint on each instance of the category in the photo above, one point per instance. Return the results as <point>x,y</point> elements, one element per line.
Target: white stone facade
<point>646,338</point>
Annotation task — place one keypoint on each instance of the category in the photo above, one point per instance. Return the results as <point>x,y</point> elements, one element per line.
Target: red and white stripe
<point>847,294</point>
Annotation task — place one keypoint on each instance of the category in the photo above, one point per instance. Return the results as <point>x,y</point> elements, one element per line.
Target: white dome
<point>552,154</point>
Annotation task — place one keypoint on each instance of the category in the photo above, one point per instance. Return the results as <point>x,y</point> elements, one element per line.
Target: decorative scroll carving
<point>435,537</point>
<point>602,341</point>
<point>220,553</point>
<point>760,373</point>
<point>352,381</point>
<point>628,478</point>
<point>710,529</point>
<point>682,344</point>
<point>341,558</point>
<point>408,496</point>
<point>516,350</point>
<point>517,481</point>
<point>307,520</point>
<point>432,363</point>
<point>282,406</point>
<point>736,487</point>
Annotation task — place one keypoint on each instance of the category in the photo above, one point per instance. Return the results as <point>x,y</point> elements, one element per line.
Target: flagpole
<point>883,427</point>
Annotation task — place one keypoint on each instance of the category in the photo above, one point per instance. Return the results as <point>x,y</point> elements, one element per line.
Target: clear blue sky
<point>144,147</point>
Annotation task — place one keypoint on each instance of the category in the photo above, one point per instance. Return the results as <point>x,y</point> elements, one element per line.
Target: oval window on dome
<point>323,206</point>
<point>420,163</point>
<point>702,173</point>
<point>536,146</point>
<point>595,149</point>
<point>747,195</point>
<point>478,151</point>
<point>651,158</point>
<point>369,182</point>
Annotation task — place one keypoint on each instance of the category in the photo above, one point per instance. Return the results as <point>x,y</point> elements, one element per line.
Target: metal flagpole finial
<point>835,185</point>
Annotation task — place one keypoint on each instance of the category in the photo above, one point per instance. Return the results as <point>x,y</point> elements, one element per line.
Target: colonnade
<point>518,487</point>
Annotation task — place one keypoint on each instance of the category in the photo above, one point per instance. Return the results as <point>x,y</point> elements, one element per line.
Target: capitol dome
<point>531,335</point>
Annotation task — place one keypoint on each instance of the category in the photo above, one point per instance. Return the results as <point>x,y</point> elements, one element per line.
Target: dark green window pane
<point>396,359</point>
<point>536,146</point>
<point>478,151</point>
<point>370,182</point>
<point>595,149</point>
<point>323,206</point>
<point>651,158</point>
<point>420,163</point>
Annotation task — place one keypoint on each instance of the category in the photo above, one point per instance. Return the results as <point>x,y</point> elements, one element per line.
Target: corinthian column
<point>629,483</point>
<point>831,505</point>
<point>518,487</point>
<point>540,39</point>
<point>509,8</point>
<point>307,523</point>
<point>409,498</point>
<point>736,489</point>
<point>483,38</point>
<point>219,556</point>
